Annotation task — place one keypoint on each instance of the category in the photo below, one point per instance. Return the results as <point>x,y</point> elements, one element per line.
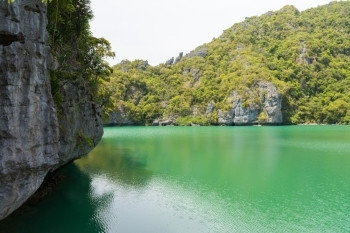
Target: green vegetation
<point>83,140</point>
<point>306,55</point>
<point>188,120</point>
<point>79,55</point>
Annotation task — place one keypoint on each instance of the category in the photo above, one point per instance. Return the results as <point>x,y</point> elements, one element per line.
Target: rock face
<point>164,122</point>
<point>271,103</point>
<point>200,52</point>
<point>80,123</point>
<point>33,140</point>
<point>266,109</point>
<point>28,122</point>
<point>210,107</point>
<point>119,117</point>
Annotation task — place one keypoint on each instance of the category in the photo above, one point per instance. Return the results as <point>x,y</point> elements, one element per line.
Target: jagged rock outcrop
<point>170,61</point>
<point>28,122</point>
<point>266,109</point>
<point>178,58</point>
<point>33,140</point>
<point>200,52</point>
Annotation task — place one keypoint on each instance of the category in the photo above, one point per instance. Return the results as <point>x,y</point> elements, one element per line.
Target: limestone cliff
<point>33,140</point>
<point>264,109</point>
<point>80,122</point>
<point>28,122</point>
<point>262,104</point>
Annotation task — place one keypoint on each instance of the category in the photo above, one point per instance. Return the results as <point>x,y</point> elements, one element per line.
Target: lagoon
<point>202,179</point>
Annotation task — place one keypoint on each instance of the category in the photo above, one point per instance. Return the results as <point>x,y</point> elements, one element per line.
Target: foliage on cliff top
<point>79,55</point>
<point>305,54</point>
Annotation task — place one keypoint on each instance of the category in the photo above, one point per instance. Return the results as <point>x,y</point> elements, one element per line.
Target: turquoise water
<point>202,179</point>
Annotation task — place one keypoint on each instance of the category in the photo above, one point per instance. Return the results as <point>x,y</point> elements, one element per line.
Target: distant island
<point>283,67</point>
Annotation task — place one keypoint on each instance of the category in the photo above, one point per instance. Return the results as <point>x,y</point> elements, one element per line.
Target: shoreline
<point>240,125</point>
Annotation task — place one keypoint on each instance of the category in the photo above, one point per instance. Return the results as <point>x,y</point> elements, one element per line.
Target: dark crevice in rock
<point>36,10</point>
<point>7,38</point>
<point>15,20</point>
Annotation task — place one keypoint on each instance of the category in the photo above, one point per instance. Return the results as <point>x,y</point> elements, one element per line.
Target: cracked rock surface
<point>33,139</point>
<point>28,121</point>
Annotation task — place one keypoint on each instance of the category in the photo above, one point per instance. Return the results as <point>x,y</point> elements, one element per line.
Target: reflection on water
<point>161,207</point>
<point>203,179</point>
<point>69,209</point>
<point>118,164</point>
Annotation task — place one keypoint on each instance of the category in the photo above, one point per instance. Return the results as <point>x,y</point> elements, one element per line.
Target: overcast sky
<point>156,30</point>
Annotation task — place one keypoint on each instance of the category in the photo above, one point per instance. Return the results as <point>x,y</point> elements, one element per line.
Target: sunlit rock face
<point>264,101</point>
<point>28,120</point>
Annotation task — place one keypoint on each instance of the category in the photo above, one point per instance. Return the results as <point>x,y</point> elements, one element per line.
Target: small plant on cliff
<point>83,140</point>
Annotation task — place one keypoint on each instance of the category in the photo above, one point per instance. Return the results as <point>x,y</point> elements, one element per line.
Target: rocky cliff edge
<point>33,140</point>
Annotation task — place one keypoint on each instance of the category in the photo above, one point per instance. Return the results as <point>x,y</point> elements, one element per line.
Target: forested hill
<point>304,55</point>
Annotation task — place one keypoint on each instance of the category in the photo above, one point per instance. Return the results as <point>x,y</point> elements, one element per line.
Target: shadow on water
<point>70,205</point>
<point>120,165</point>
<point>73,207</point>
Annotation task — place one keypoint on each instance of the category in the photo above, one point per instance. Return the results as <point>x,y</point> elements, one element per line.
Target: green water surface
<point>202,179</point>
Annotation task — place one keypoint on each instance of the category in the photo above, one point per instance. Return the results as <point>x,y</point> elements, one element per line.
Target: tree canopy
<point>306,55</point>
<point>79,55</point>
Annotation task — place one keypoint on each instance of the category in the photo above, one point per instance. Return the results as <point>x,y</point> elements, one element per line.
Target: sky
<point>156,30</point>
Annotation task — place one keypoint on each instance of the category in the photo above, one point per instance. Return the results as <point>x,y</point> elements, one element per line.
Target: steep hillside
<point>287,62</point>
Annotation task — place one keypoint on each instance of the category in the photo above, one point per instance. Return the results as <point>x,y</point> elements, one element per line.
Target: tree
<point>80,55</point>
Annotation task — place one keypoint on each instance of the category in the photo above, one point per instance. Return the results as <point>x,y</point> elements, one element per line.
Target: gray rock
<point>80,123</point>
<point>30,142</point>
<point>119,117</point>
<point>269,102</point>
<point>163,122</point>
<point>28,122</point>
<point>143,65</point>
<point>170,61</point>
<point>269,13</point>
<point>225,117</point>
<point>178,58</point>
<point>244,115</point>
<point>195,75</point>
<point>199,52</point>
<point>303,56</point>
<point>210,107</point>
